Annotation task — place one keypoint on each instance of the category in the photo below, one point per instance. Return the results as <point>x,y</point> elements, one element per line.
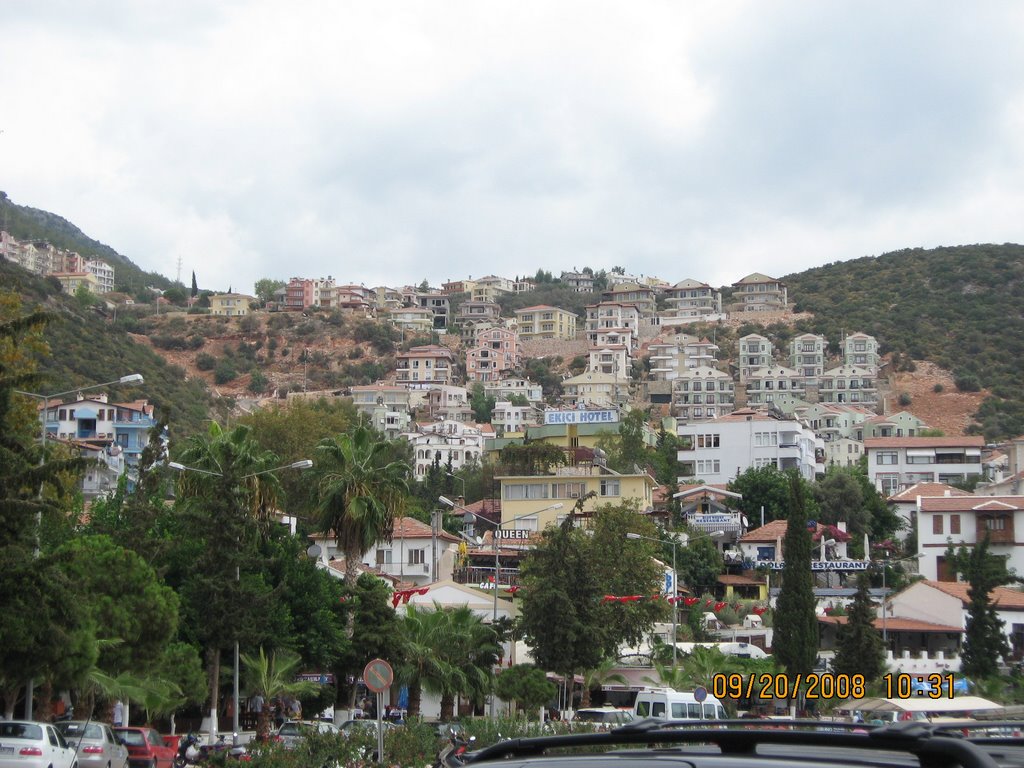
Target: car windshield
<point>80,730</point>
<point>291,729</point>
<point>21,731</point>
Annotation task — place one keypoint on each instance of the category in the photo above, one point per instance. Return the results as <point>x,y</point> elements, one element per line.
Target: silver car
<point>96,744</point>
<point>27,744</point>
<point>292,732</point>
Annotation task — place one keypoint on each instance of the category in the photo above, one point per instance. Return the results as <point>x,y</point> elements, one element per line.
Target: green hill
<point>959,307</point>
<point>87,348</point>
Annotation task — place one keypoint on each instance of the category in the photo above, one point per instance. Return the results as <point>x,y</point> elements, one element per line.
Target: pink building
<point>495,355</point>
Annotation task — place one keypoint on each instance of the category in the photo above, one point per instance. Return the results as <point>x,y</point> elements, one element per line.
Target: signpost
<point>378,676</point>
<point>581,417</point>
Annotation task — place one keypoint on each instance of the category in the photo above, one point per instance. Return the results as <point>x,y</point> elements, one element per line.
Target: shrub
<point>355,353</point>
<point>225,372</point>
<point>205,361</point>
<point>249,324</point>
<point>257,385</point>
<point>169,342</point>
<point>968,382</point>
<point>195,341</point>
<point>904,399</point>
<point>937,388</point>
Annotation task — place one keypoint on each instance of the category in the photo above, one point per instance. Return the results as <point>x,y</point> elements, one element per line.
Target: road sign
<point>378,675</point>
<point>700,693</point>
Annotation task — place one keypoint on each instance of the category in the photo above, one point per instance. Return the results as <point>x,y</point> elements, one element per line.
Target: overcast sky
<point>391,142</point>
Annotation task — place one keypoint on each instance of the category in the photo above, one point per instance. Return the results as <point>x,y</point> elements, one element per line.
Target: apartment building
<point>852,384</point>
<point>387,298</point>
<point>719,451</point>
<point>424,367</point>
<point>439,304</point>
<point>702,393</point>
<point>755,351</point>
<point>642,296</point>
<point>669,358</point>
<point>759,293</point>
<point>765,385</point>
<point>475,311</point>
<point>98,422</point>
<point>861,350</point>
<point>505,389</point>
<point>900,424</point>
<point>495,355</point>
<point>691,301</point>
<point>580,282</point>
<point>506,417</point>
<point>834,422</point>
<point>545,322</point>
<point>612,316</point>
<point>895,463</point>
<point>302,292</point>
<point>230,304</point>
<point>593,389</point>
<point>70,282</point>
<point>807,355</point>
<point>490,288</point>
<point>414,320</point>
<point>387,408</point>
<point>449,403</point>
<point>448,443</point>
<point>610,358</point>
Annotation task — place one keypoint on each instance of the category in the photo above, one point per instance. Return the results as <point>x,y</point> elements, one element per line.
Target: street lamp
<point>462,480</point>
<point>131,378</point>
<point>497,563</point>
<point>675,587</point>
<point>885,593</point>
<point>301,464</point>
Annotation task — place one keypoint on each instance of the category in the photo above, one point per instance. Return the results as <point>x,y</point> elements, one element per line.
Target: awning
<point>930,452</point>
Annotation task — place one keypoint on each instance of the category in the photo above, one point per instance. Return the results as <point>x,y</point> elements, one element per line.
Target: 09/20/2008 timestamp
<point>904,686</point>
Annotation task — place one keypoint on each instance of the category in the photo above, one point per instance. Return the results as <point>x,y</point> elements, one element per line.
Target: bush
<point>196,341</point>
<point>968,382</point>
<point>258,385</point>
<point>205,361</point>
<point>169,342</point>
<point>249,324</point>
<point>904,399</point>
<point>355,353</point>
<point>937,388</point>
<point>225,372</point>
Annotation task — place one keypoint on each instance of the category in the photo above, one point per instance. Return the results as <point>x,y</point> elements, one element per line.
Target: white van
<point>670,704</point>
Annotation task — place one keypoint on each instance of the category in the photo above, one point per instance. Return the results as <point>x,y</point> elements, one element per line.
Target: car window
<point>709,711</point>
<point>51,734</point>
<point>657,709</point>
<point>721,713</point>
<point>678,710</point>
<point>21,731</point>
<point>80,730</point>
<point>693,711</point>
<point>109,735</point>
<point>643,708</point>
<point>289,729</point>
<point>132,738</point>
<point>156,739</point>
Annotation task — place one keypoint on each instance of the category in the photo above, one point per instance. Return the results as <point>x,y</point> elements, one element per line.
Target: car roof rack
<point>934,747</point>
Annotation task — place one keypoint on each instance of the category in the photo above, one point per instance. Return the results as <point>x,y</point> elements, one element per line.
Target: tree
<point>595,678</point>
<point>796,626</point>
<point>699,564</point>
<point>264,289</point>
<point>361,491</point>
<point>985,643</point>
<point>769,489</point>
<point>481,403</point>
<point>227,506</point>
<point>376,627</point>
<point>526,685</point>
<point>195,286</point>
<point>272,676</point>
<point>859,649</point>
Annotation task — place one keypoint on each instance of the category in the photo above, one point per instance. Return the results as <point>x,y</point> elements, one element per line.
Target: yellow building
<point>72,281</point>
<point>230,304</point>
<point>527,500</point>
<point>545,322</point>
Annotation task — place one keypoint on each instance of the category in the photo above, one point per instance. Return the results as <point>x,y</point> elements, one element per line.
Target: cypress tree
<point>195,285</point>
<point>985,643</point>
<point>796,627</point>
<point>859,649</point>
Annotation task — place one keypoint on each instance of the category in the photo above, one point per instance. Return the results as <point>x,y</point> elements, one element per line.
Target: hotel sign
<point>581,417</point>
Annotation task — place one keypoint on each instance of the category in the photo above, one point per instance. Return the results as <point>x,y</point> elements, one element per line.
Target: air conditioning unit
<point>574,494</point>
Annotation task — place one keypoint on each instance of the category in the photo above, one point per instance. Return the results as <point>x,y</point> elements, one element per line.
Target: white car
<point>27,744</point>
<point>97,746</point>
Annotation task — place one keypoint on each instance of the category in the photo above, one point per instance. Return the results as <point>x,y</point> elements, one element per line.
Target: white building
<point>702,393</point>
<point>445,441</point>
<point>718,451</point>
<point>966,520</point>
<point>895,463</point>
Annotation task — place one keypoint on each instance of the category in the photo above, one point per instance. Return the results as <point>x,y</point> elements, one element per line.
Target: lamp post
<point>462,480</point>
<point>301,464</point>
<point>497,563</point>
<point>675,587</point>
<point>131,378</point>
<point>885,594</point>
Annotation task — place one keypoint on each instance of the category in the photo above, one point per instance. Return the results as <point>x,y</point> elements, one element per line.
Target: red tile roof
<point>729,579</point>
<point>1001,597</point>
<point>927,489</point>
<point>774,530</point>
<point>971,503</point>
<point>897,624</point>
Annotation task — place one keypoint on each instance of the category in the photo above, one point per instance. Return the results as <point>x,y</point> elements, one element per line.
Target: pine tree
<point>859,650</point>
<point>796,626</point>
<point>985,643</point>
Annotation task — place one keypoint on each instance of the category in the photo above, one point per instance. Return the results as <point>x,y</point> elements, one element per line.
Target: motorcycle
<point>454,752</point>
<point>192,753</point>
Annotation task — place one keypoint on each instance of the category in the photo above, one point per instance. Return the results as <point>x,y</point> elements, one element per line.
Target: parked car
<point>28,744</point>
<point>292,732</point>
<point>146,747</point>
<point>96,743</point>
<point>607,717</point>
<point>370,725</point>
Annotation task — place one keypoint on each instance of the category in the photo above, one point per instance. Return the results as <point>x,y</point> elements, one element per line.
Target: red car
<point>146,748</point>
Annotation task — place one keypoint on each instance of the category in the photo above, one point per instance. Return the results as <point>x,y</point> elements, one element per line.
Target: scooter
<point>454,752</point>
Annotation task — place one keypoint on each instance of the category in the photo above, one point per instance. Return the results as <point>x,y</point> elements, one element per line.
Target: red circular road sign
<point>378,675</point>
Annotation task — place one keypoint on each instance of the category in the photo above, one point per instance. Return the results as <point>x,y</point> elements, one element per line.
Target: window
<point>383,557</point>
<point>936,524</point>
<point>954,523</point>
<point>995,523</point>
<point>886,457</point>
<point>708,441</point>
<point>519,491</point>
<point>417,556</point>
<point>890,484</point>
<point>708,467</point>
<point>610,488</point>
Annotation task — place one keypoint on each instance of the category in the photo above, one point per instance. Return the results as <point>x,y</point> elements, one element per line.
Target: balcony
<point>999,528</point>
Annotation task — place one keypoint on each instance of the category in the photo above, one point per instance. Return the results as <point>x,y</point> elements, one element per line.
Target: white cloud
<point>387,143</point>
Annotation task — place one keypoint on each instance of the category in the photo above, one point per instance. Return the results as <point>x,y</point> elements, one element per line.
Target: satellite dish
<point>314,550</point>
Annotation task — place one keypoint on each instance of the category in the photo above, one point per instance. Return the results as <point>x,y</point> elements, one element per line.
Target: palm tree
<point>227,486</point>
<point>698,667</point>
<point>420,642</point>
<point>272,677</point>
<point>598,676</point>
<point>362,490</point>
